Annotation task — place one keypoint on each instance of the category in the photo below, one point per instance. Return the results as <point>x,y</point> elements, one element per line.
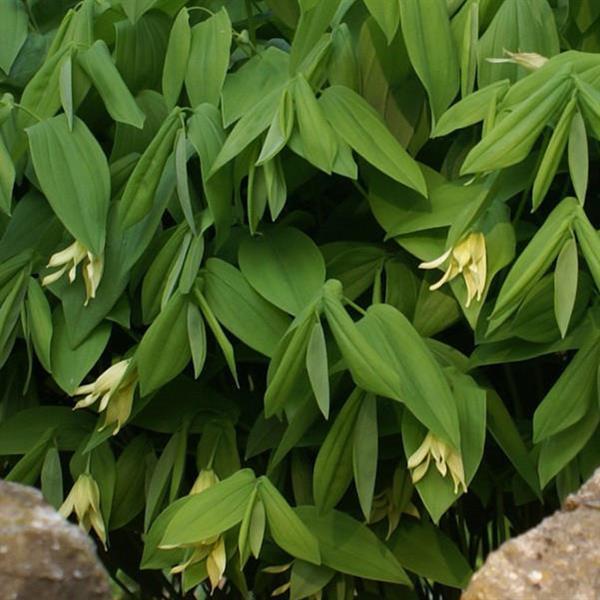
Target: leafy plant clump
<point>299,297</point>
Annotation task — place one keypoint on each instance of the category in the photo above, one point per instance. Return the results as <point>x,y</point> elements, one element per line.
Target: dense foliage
<point>320,278</point>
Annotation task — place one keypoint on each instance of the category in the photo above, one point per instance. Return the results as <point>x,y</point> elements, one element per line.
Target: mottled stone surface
<point>559,559</point>
<point>43,557</point>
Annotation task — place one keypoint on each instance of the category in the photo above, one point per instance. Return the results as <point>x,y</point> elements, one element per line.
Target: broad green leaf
<point>183,187</point>
<point>535,259</point>
<point>578,157</point>
<point>208,59</point>
<point>164,350</point>
<point>40,322</point>
<point>468,56</point>
<point>317,367</point>
<point>361,127</point>
<point>65,83</point>
<point>420,383</point>
<point>288,531</point>
<point>196,337</point>
<point>120,104</point>
<point>365,454</point>
<point>318,140</point>
<point>507,436</point>
<point>589,243</point>
<point>71,365</point>
<point>51,479</point>
<point>211,512</point>
<point>432,51</point>
<point>332,473</point>
<point>387,15</point>
<point>207,136</point>
<point>138,197</point>
<point>134,9</point>
<point>240,309</point>
<point>350,547</point>
<point>129,498</point>
<point>315,18</point>
<point>308,579</point>
<point>73,174</point>
<point>13,31</point>
<point>22,431</point>
<point>565,285</point>
<point>517,27</point>
<point>559,450</point>
<point>513,137</point>
<point>7,178</point>
<point>471,109</point>
<point>176,58</point>
<point>572,396</point>
<point>284,266</point>
<point>425,550</point>
<point>553,154</point>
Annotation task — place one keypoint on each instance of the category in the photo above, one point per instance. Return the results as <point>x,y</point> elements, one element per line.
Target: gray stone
<point>42,556</point>
<point>559,559</point>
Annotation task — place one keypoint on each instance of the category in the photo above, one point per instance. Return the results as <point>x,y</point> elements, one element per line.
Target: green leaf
<point>572,396</point>
<point>196,337</point>
<point>40,322</point>
<point>120,104</point>
<point>318,140</point>
<point>71,365</point>
<point>284,266</point>
<point>211,512</point>
<point>578,157</point>
<point>138,196</point>
<point>240,309</point>
<point>351,547</point>
<point>365,454</point>
<point>73,174</point>
<point>308,579</point>
<point>432,52</point>
<point>387,15</point>
<point>164,350</point>
<point>134,9</point>
<point>51,479</point>
<point>7,178</point>
<point>208,59</point>
<point>332,473</point>
<point>288,531</point>
<point>317,367</point>
<point>565,285</point>
<point>425,550</point>
<point>361,127</point>
<point>176,58</point>
<point>13,32</point>
<point>513,137</point>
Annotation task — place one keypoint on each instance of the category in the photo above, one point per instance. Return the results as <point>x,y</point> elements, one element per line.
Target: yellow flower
<point>115,389</point>
<point>467,258</point>
<point>84,499</point>
<point>529,60</point>
<point>70,258</point>
<point>445,458</point>
<point>213,549</point>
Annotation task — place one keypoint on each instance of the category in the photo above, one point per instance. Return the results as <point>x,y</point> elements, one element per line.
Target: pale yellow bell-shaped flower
<point>445,457</point>
<point>213,549</point>
<point>467,258</point>
<point>115,389</point>
<point>84,499</point>
<point>529,60</point>
<point>69,259</point>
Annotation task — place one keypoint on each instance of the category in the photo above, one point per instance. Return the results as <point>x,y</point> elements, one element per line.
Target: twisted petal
<point>437,262</point>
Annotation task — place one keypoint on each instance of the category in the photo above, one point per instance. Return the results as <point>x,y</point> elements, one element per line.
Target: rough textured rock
<point>41,555</point>
<point>559,559</point>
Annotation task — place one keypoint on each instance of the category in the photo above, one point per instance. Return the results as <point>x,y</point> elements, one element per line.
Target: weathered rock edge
<point>42,556</point>
<point>558,560</point>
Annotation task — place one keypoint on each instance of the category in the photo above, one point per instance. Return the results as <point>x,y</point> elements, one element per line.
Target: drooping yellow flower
<point>212,549</point>
<point>468,258</point>
<point>529,60</point>
<point>445,457</point>
<point>115,389</point>
<point>84,499</point>
<point>70,258</point>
